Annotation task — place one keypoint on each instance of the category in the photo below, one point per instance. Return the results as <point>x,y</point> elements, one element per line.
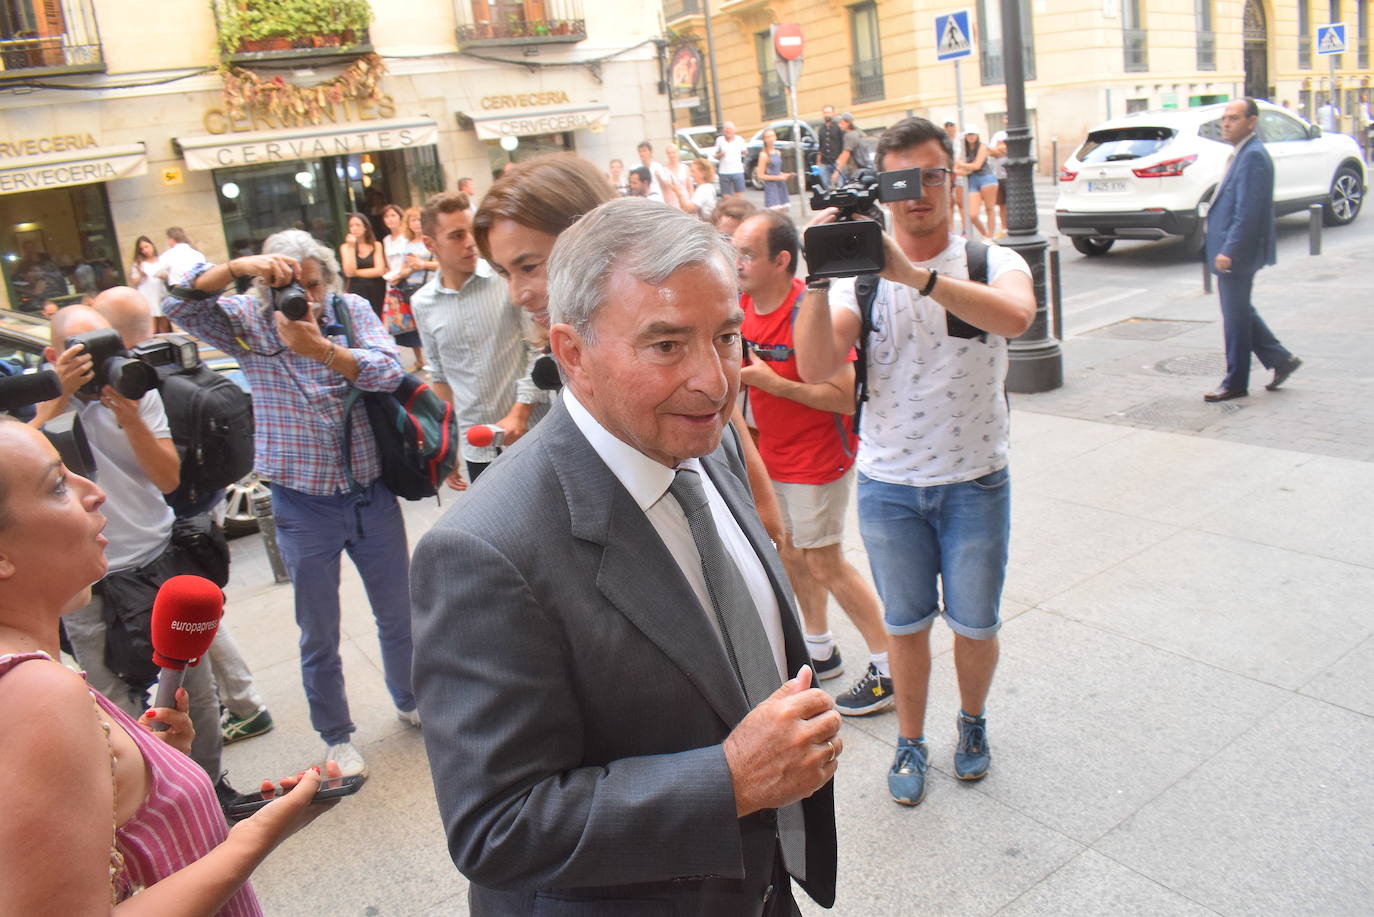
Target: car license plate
<point>1106,186</point>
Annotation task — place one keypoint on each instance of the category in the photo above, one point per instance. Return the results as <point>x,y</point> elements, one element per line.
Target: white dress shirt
<point>648,482</point>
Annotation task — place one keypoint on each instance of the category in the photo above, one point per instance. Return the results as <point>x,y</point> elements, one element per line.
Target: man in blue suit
<point>1240,241</point>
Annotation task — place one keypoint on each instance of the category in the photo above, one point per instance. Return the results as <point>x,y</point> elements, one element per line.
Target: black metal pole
<point>711,58</point>
<point>1036,362</point>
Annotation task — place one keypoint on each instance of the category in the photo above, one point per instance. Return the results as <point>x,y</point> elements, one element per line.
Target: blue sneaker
<point>827,669</point>
<point>972,757</point>
<point>906,781</point>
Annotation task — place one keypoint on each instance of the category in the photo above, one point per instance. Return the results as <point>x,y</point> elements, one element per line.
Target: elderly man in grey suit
<point>617,710</point>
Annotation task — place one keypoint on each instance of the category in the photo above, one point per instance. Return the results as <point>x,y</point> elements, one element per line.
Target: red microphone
<point>485,434</point>
<point>186,614</point>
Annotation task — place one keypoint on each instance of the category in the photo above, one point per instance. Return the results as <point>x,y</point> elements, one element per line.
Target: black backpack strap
<point>865,291</point>
<point>346,322</point>
<point>976,254</point>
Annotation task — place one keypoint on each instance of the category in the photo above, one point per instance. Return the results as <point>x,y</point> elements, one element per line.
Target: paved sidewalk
<point>1184,713</point>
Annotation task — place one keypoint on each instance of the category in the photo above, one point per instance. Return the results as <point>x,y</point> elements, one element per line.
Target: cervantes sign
<point>223,151</point>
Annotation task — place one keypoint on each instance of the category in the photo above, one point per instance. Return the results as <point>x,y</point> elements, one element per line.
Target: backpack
<point>866,290</point>
<point>416,431</point>
<point>212,428</point>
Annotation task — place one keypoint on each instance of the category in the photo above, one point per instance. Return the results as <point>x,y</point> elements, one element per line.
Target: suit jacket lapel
<point>637,574</point>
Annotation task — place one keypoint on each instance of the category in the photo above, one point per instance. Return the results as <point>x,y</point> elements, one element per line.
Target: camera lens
<point>291,301</point>
<point>849,245</point>
<point>131,378</point>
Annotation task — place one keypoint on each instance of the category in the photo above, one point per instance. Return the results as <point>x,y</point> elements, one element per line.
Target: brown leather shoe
<point>1224,394</point>
<point>1283,371</point>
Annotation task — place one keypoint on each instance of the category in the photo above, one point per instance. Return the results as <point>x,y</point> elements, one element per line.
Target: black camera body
<point>853,244</point>
<point>290,300</point>
<point>113,365</point>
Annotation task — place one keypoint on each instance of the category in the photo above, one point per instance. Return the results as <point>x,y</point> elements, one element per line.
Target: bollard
<point>267,526</point>
<point>1314,229</point>
<point>1056,290</point>
<point>1202,233</point>
<point>1206,273</point>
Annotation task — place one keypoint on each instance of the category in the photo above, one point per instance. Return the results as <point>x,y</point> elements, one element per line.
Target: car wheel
<point>1343,204</point>
<point>1092,246</point>
<point>238,510</point>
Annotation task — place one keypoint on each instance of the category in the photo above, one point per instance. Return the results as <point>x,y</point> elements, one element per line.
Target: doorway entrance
<point>1256,31</point>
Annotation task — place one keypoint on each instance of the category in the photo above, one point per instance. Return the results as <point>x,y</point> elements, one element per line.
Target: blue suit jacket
<point>1240,223</point>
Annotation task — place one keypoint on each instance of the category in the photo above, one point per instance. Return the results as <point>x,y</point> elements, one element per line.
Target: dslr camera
<point>290,300</point>
<point>132,373</point>
<point>853,244</point>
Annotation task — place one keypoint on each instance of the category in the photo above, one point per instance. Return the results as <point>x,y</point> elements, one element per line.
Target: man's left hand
<point>302,336</point>
<point>1223,263</point>
<point>124,409</point>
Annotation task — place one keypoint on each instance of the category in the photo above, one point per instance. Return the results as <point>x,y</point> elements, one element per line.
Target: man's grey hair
<point>301,245</point>
<point>648,240</point>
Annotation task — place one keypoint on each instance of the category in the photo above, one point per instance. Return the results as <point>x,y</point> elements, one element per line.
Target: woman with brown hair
<point>400,240</point>
<point>143,271</point>
<point>363,262</point>
<point>100,812</point>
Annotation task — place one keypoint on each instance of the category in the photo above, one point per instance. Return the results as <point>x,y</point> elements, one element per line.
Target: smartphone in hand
<point>330,788</point>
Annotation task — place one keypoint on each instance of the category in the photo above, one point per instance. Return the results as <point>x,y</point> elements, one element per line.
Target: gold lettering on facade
<point>220,121</point>
<point>37,146</point>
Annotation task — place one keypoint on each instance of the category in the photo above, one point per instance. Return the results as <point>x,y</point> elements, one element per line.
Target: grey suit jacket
<point>575,696</point>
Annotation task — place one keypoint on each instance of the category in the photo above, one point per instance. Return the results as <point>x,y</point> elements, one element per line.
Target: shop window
<point>59,246</point>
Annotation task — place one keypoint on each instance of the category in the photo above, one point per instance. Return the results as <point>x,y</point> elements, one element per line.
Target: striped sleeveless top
<point>180,820</point>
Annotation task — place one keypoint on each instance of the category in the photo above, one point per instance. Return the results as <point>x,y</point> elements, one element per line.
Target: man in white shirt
<point>179,257</point>
<point>729,153</point>
<point>1329,117</point>
<point>934,489</point>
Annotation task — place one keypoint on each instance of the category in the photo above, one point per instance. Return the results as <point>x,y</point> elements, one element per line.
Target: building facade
<point>1086,60</point>
<point>238,118</point>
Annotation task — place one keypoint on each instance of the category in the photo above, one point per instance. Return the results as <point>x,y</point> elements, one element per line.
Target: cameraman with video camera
<point>287,335</point>
<point>934,493</point>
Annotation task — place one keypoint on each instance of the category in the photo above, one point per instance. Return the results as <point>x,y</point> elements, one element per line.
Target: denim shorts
<point>731,183</point>
<point>950,537</point>
<point>980,180</point>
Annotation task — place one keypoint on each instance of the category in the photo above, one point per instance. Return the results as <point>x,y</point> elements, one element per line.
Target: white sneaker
<point>349,759</point>
<point>412,717</point>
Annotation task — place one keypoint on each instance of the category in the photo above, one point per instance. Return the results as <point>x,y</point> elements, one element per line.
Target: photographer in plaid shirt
<point>301,372</point>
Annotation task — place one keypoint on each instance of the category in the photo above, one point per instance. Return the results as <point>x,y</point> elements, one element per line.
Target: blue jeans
<point>950,537</point>
<point>312,532</point>
<point>827,173</point>
<point>1245,332</point>
<point>731,183</point>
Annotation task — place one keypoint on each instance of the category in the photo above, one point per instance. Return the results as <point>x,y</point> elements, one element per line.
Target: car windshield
<point>1121,143</point>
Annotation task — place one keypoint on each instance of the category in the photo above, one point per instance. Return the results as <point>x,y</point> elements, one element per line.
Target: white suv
<point>1144,175</point>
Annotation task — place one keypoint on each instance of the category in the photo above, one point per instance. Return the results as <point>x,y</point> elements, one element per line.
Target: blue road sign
<point>953,38</point>
<point>1331,38</point>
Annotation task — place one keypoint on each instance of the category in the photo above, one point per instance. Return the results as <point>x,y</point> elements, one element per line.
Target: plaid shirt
<point>297,402</point>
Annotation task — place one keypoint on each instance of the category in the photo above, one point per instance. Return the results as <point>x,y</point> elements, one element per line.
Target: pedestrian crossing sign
<point>952,36</point>
<point>1331,38</point>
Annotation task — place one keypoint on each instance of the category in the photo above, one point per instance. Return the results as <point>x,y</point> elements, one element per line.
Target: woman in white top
<point>143,271</point>
<point>399,241</point>
<point>678,169</point>
<point>703,200</point>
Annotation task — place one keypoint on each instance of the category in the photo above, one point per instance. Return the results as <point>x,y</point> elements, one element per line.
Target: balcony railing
<point>1206,51</point>
<point>773,97</point>
<point>1133,43</point>
<point>866,80</point>
<point>676,9</point>
<point>48,39</point>
<point>260,30</point>
<point>534,22</point>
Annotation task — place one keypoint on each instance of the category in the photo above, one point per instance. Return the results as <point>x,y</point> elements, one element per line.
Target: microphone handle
<point>168,680</point>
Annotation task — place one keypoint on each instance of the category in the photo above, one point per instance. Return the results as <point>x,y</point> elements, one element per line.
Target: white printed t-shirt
<point>936,412</point>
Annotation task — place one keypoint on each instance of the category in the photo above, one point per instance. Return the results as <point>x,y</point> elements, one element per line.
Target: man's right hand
<point>786,748</point>
<point>74,368</point>
<point>275,270</point>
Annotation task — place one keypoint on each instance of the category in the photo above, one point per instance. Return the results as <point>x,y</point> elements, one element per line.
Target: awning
<point>74,167</point>
<point>545,121</point>
<point>222,151</point>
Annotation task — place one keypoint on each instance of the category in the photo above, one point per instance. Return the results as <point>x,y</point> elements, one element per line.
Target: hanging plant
<point>269,25</point>
<point>245,90</point>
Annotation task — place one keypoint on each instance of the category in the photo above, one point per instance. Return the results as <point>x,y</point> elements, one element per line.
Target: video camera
<point>132,373</point>
<point>853,244</point>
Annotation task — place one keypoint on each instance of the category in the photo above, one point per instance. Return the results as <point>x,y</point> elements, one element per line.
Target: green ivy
<point>256,20</point>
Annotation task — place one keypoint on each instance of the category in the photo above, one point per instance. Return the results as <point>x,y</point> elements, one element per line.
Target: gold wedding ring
<point>831,746</point>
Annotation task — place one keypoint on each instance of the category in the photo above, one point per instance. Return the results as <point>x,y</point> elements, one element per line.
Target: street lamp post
<point>1036,362</point>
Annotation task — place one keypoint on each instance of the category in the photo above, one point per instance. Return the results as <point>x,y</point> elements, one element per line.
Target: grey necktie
<point>742,631</point>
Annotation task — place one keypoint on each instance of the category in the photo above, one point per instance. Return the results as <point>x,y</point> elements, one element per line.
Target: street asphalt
<point>1183,716</point>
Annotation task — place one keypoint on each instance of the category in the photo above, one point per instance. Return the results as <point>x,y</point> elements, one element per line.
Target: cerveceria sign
<point>38,146</point>
<point>524,100</point>
<point>35,163</point>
